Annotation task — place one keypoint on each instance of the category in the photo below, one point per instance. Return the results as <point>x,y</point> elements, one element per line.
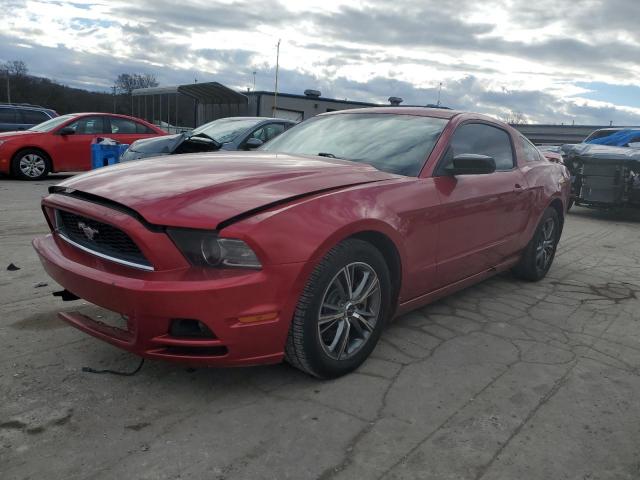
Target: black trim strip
<point>105,202</point>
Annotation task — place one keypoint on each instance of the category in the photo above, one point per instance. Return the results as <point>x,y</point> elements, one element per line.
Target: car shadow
<point>625,215</point>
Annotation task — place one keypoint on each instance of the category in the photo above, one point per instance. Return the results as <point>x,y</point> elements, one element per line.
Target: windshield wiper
<point>329,155</point>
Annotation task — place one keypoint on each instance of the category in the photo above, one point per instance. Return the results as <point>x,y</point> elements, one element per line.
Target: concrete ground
<point>505,380</point>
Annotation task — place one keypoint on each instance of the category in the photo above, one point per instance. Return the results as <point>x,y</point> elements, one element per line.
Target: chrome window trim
<point>105,257</point>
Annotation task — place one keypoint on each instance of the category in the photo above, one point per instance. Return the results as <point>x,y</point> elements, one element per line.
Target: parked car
<point>233,133</point>
<point>601,133</point>
<point>305,248</point>
<point>23,116</point>
<point>63,144</point>
<point>603,176</point>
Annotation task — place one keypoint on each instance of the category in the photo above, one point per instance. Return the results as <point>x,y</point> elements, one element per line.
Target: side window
<point>273,130</point>
<point>140,128</point>
<point>122,126</point>
<point>482,139</point>
<point>531,153</point>
<point>88,126</point>
<point>260,134</point>
<point>8,115</point>
<point>267,132</point>
<point>33,116</point>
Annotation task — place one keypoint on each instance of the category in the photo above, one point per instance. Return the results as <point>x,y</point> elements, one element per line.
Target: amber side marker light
<point>258,318</point>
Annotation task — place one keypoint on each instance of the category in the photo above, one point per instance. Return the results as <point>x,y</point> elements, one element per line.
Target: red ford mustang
<point>305,249</point>
<point>63,144</point>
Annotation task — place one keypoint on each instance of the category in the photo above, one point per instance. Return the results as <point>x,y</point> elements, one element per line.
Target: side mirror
<point>67,131</point>
<point>253,143</point>
<point>472,164</point>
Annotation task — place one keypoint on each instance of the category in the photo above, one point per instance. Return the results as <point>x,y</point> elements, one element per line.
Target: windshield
<point>393,143</point>
<point>225,129</point>
<point>51,124</point>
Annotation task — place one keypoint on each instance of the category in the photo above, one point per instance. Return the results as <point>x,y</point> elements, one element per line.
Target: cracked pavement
<point>503,380</point>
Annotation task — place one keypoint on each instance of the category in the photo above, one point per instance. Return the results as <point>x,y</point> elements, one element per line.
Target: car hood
<point>159,145</point>
<point>203,190</point>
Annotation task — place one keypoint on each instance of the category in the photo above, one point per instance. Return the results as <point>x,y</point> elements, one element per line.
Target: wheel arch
<point>391,255</point>
<point>381,236</point>
<point>558,206</point>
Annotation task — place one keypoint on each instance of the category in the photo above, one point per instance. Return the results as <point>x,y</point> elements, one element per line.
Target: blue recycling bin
<point>103,155</point>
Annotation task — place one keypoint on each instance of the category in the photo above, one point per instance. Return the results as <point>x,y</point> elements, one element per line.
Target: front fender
<point>305,230</point>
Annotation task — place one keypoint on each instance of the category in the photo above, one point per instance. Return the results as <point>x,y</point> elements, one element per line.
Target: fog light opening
<point>189,328</point>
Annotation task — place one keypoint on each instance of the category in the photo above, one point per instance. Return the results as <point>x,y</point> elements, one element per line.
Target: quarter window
<point>33,116</point>
<point>7,115</point>
<point>482,139</point>
<point>531,153</point>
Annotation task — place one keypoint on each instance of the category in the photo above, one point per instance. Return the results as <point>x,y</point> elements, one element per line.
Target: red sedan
<point>304,249</point>
<point>63,144</point>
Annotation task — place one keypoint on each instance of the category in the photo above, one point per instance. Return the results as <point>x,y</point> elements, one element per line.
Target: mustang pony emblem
<point>87,230</point>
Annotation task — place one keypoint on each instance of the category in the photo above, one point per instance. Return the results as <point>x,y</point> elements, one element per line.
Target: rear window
<point>600,134</point>
<point>140,128</point>
<point>122,126</point>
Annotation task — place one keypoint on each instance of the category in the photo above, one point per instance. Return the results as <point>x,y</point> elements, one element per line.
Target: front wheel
<point>341,312</point>
<point>30,164</point>
<point>540,252</point>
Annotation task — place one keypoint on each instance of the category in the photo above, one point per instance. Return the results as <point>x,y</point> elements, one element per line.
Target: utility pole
<point>275,97</point>
<point>439,91</point>
<point>114,98</point>
<point>254,81</point>
<point>8,89</point>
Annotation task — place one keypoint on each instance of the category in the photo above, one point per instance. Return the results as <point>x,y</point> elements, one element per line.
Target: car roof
<point>257,119</point>
<point>25,106</point>
<point>615,128</point>
<point>417,111</point>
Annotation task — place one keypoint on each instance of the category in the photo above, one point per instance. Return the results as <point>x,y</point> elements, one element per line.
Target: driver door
<point>72,152</point>
<point>482,215</point>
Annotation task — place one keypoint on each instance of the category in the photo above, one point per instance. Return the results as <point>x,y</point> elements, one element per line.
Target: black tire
<point>306,348</point>
<point>30,164</point>
<point>532,266</point>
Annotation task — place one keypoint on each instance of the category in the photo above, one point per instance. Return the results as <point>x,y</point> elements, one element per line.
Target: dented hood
<point>203,190</point>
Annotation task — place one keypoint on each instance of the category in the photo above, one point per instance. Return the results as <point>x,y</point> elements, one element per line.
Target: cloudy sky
<point>555,61</point>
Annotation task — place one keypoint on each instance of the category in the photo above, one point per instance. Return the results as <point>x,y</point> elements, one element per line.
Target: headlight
<point>203,248</point>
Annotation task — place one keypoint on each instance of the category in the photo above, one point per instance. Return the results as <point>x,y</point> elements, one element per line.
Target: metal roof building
<point>180,107</point>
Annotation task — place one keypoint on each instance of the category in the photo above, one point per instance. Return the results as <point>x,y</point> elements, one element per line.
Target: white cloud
<point>492,56</point>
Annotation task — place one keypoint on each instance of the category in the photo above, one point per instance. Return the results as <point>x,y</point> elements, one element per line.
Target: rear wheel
<point>30,164</point>
<point>540,252</point>
<point>341,313</point>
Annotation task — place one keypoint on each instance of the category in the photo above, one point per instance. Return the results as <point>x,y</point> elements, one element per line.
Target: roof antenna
<point>275,96</point>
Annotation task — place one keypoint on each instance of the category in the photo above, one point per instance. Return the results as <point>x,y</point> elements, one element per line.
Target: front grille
<point>100,238</point>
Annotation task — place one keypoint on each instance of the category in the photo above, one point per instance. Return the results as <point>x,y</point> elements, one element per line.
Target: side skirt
<point>454,287</point>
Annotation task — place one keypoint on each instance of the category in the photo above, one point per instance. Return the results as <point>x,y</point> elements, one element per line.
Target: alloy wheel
<point>32,165</point>
<point>349,311</point>
<point>546,244</point>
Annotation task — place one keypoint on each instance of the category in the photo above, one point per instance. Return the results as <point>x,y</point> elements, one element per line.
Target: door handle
<point>518,188</point>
